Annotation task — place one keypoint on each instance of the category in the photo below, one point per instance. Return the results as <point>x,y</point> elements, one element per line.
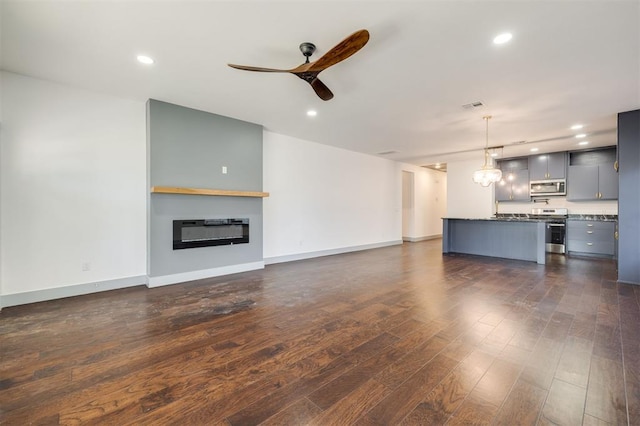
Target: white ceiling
<point>569,62</point>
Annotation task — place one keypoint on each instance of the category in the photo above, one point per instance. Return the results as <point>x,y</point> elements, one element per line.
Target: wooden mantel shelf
<point>201,191</point>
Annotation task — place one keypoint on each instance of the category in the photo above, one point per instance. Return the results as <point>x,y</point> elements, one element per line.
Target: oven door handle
<point>556,225</point>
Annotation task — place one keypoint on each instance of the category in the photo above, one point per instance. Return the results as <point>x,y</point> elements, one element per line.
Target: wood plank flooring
<point>397,335</point>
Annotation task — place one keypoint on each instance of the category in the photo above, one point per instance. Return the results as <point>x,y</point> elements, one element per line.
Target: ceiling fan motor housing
<point>307,49</point>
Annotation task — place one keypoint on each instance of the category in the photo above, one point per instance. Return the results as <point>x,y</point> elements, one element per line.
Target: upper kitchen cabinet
<point>548,166</point>
<point>514,185</point>
<point>592,175</point>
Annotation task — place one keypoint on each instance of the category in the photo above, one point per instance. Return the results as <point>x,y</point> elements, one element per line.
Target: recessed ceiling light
<point>502,38</point>
<point>312,113</point>
<point>576,127</point>
<point>581,135</point>
<point>583,143</point>
<point>145,59</point>
<point>534,149</point>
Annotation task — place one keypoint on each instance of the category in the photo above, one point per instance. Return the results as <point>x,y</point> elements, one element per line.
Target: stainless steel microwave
<point>547,187</point>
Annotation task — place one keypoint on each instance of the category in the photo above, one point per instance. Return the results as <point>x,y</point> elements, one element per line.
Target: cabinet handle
<point>616,235</point>
<point>590,225</point>
<point>589,244</point>
<point>589,232</point>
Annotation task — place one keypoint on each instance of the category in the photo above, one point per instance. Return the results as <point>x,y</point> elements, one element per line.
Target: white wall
<point>324,199</point>
<point>467,199</point>
<point>73,186</point>
<point>73,192</point>
<point>429,203</point>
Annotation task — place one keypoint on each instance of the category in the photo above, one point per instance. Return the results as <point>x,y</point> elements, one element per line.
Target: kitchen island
<point>521,239</point>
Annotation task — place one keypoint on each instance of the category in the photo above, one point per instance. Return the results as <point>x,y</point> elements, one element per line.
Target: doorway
<point>408,205</point>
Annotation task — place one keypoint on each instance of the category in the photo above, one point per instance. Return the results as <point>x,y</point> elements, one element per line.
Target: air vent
<point>472,105</point>
<point>387,152</point>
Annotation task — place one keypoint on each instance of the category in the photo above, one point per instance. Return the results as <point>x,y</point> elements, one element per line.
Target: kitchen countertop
<point>522,217</point>
<point>500,219</point>
<point>594,217</point>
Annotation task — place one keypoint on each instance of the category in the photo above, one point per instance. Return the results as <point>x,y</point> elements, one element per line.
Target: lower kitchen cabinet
<point>594,238</point>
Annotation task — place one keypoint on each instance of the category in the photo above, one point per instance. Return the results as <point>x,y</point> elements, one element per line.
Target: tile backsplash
<point>574,207</point>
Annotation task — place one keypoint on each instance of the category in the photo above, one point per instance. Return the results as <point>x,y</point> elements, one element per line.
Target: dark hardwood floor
<point>398,335</point>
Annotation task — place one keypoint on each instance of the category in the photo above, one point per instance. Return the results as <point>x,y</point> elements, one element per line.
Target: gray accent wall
<point>629,197</point>
<point>188,148</point>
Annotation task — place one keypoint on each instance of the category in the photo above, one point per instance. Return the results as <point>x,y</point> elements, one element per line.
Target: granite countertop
<point>500,219</point>
<point>594,217</point>
<point>523,217</point>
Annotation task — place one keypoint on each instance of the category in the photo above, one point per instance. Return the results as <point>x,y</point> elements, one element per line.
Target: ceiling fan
<point>309,70</point>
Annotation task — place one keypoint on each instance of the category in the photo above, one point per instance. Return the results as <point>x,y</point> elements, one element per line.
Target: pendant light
<point>487,173</point>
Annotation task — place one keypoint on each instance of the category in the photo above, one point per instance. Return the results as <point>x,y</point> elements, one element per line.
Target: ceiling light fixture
<point>312,113</point>
<point>487,173</point>
<point>145,59</point>
<point>502,38</point>
<point>576,127</point>
<point>581,135</point>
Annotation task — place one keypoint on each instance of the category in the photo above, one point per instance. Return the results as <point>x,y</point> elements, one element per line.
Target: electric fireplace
<point>209,232</point>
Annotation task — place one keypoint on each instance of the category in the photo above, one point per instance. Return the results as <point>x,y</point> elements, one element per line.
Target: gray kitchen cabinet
<point>583,183</point>
<point>608,181</point>
<point>594,238</point>
<point>514,185</point>
<point>503,191</point>
<point>548,166</point>
<point>592,175</point>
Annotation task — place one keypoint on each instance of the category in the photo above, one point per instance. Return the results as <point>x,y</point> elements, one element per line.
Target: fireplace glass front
<point>209,232</point>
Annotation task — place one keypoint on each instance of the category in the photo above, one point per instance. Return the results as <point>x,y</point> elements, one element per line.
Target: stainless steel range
<point>555,234</point>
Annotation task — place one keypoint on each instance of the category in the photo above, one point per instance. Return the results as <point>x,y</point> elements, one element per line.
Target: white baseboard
<point>7,300</point>
<point>205,273</point>
<point>70,291</point>
<point>425,238</point>
<point>312,254</point>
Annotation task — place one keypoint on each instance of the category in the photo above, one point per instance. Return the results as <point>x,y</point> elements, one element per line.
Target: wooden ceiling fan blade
<point>341,51</point>
<point>260,69</point>
<point>321,90</point>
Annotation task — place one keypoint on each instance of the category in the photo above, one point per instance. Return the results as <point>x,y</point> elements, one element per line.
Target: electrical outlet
<point>224,170</point>
<point>86,266</point>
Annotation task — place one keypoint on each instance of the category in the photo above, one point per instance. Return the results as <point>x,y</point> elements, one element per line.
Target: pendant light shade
<point>487,173</point>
